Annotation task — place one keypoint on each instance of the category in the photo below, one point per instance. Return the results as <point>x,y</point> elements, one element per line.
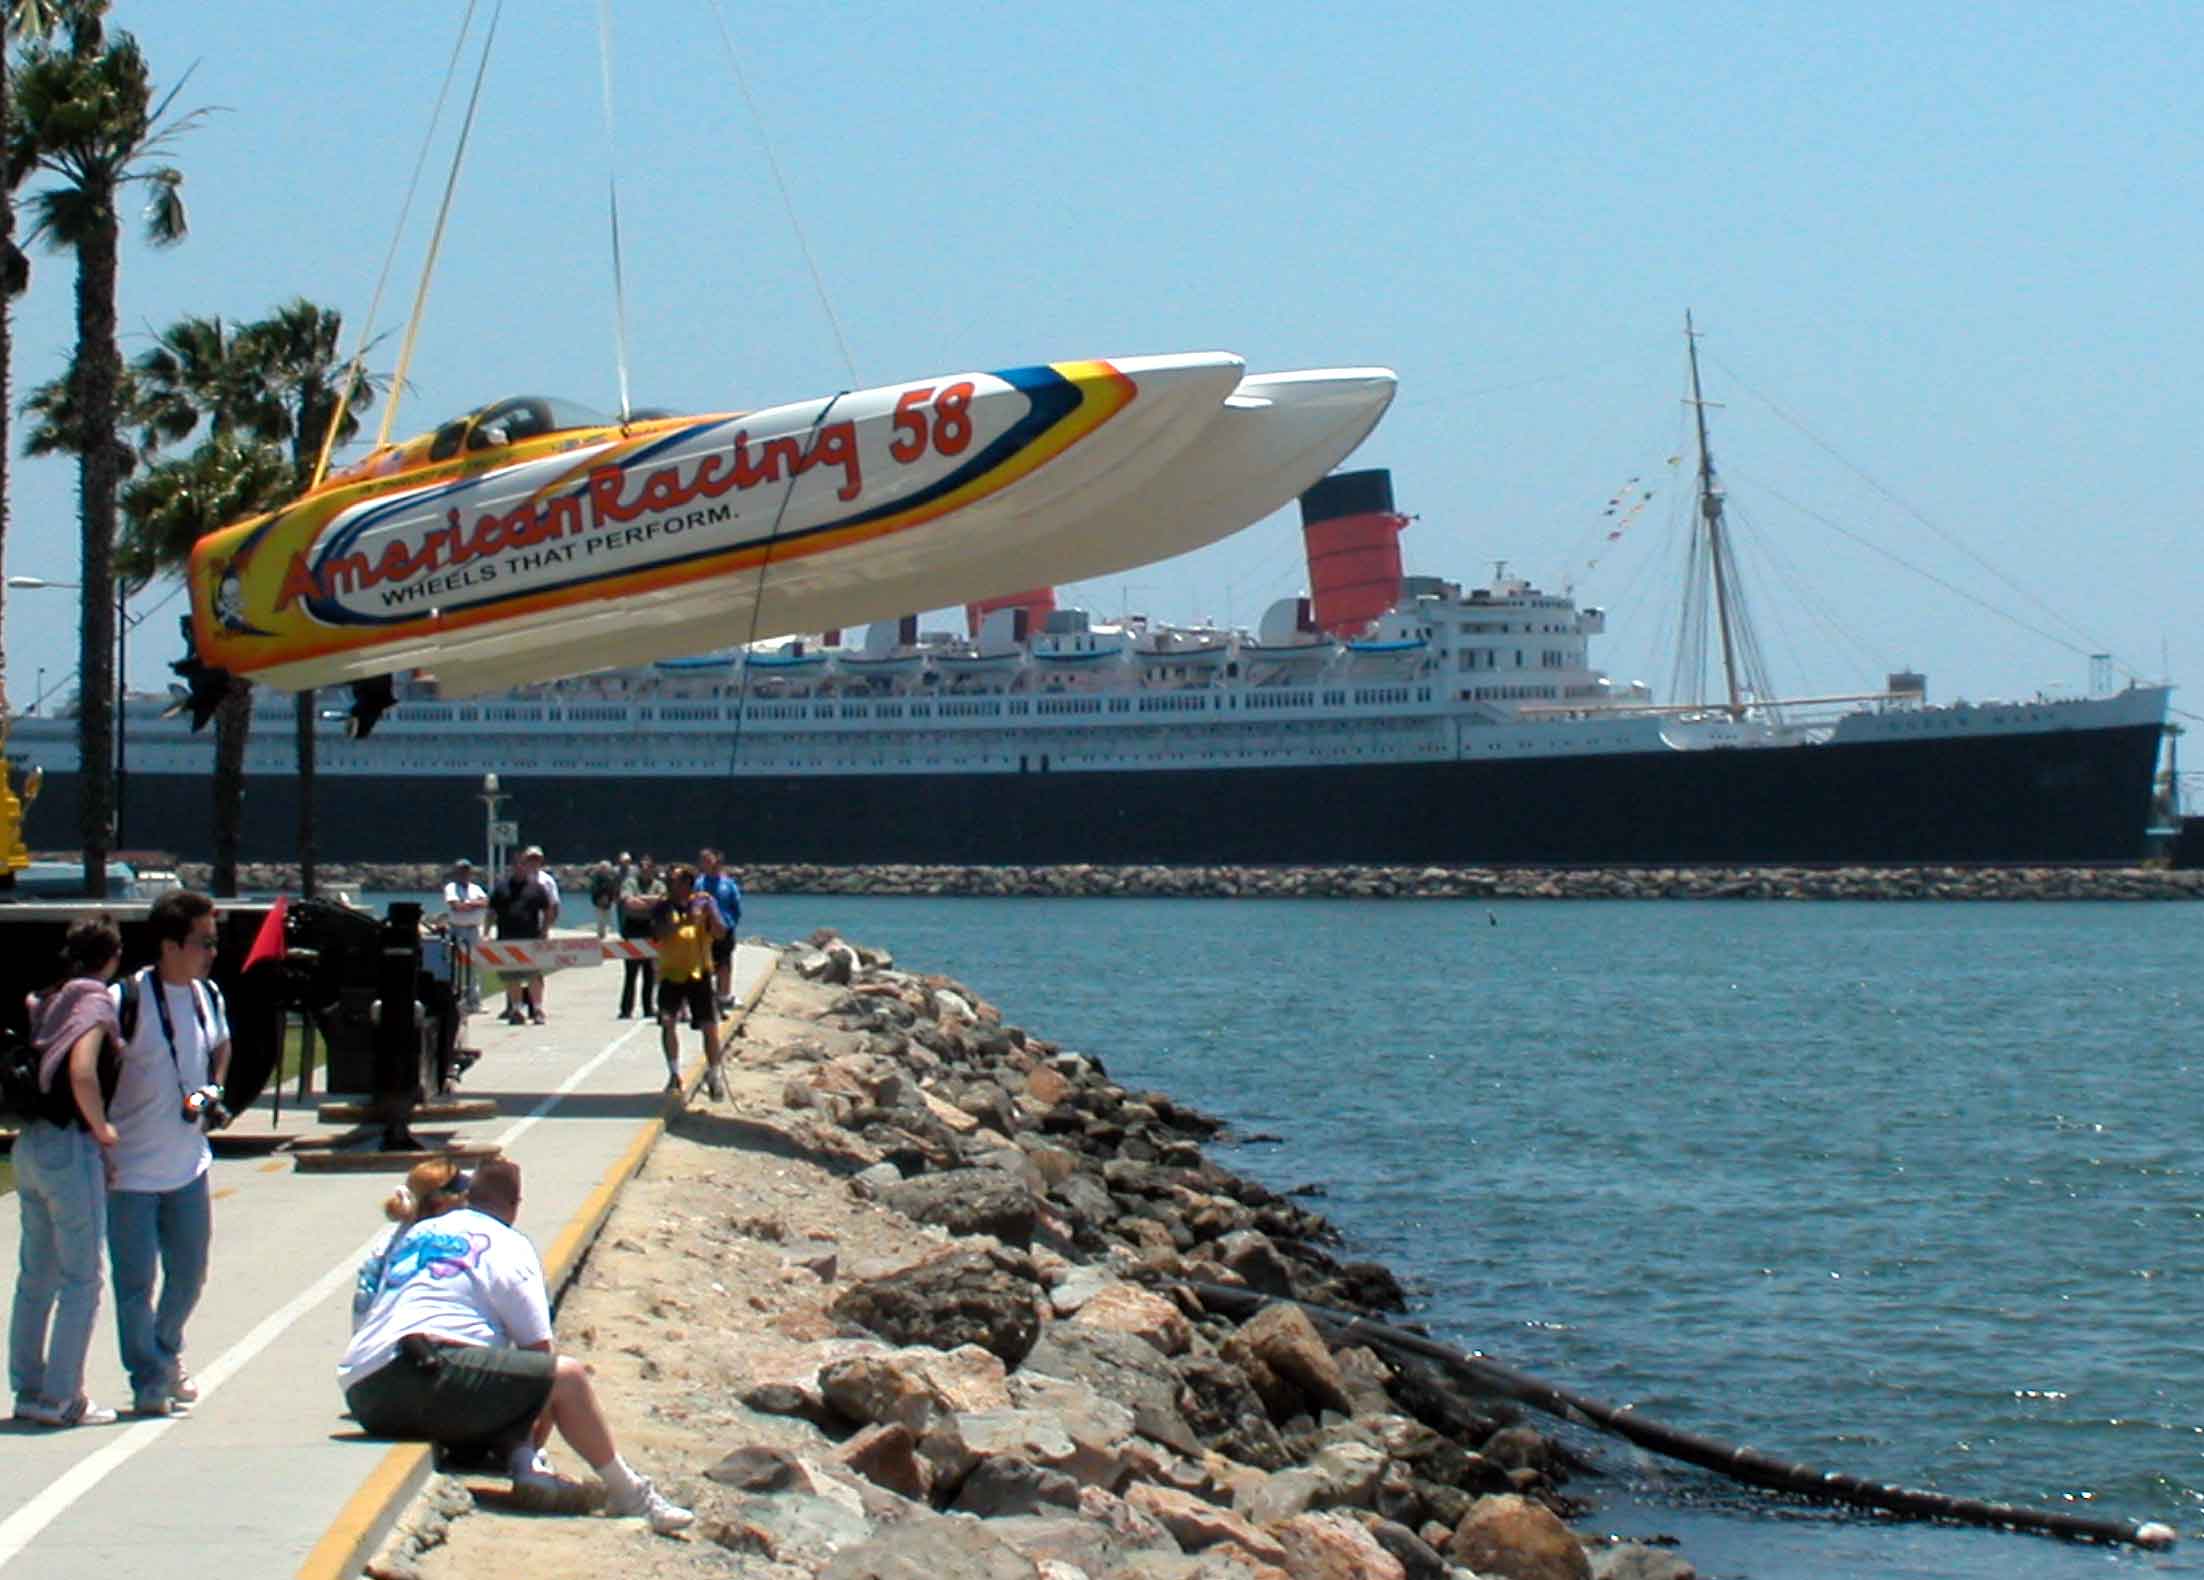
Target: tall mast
<point>1710,511</point>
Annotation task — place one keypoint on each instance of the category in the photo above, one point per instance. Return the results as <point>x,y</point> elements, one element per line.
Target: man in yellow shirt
<point>684,928</point>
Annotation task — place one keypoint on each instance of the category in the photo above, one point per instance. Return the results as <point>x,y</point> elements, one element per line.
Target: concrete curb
<point>361,1525</point>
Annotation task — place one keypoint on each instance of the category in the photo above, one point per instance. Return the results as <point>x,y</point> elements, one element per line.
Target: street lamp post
<point>491,796</point>
<point>122,671</point>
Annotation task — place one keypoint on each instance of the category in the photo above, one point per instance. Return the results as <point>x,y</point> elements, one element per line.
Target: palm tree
<point>85,115</point>
<point>19,19</point>
<point>263,386</point>
<point>168,508</point>
<point>293,352</point>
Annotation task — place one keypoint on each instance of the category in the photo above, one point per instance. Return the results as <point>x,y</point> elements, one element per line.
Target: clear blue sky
<point>1946,260</point>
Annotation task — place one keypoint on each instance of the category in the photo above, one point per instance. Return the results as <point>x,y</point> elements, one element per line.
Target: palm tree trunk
<point>306,794</point>
<point>233,721</point>
<point>7,354</point>
<point>98,371</point>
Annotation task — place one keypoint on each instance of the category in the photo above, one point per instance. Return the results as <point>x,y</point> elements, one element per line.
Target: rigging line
<point>1830,450</point>
<point>757,597</point>
<point>436,237</point>
<point>1802,594</point>
<point>788,202</point>
<point>612,191</point>
<point>1928,575</point>
<point>390,258</point>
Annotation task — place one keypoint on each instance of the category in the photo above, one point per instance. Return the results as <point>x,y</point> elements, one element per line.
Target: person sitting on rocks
<point>455,1349</point>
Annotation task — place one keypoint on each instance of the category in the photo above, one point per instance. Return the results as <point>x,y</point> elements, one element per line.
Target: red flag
<point>268,942</point>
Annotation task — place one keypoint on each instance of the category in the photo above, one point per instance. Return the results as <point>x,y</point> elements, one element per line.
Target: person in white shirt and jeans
<point>454,1347</point>
<point>466,902</point>
<point>159,1210</point>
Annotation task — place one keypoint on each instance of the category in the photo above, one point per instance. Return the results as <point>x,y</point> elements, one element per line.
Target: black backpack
<point>20,1098</point>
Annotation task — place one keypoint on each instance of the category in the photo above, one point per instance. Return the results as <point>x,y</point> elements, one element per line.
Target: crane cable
<point>436,237</point>
<point>390,258</point>
<point>612,193</point>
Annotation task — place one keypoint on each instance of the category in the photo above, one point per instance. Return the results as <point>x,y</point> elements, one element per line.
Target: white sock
<point>619,1477</point>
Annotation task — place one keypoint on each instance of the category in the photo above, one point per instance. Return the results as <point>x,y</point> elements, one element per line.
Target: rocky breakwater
<point>1042,1393</point>
<point>1336,883</point>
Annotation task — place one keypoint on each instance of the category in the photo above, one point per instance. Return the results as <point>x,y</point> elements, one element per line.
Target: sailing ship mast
<point>1710,513</point>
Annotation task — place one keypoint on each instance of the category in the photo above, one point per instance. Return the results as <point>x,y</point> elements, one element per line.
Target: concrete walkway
<point>266,1471</point>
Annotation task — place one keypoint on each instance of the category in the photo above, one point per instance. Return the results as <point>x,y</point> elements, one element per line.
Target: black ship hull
<point>2071,796</point>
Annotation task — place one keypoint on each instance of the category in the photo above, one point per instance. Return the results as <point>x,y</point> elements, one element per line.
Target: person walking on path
<point>466,903</point>
<point>604,889</point>
<point>176,1052</point>
<point>526,904</point>
<point>61,1186</point>
<point>720,884</point>
<point>687,924</point>
<point>639,896</point>
<point>455,1348</point>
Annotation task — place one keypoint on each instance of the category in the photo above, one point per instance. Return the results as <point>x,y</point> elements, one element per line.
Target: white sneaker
<point>665,1517</point>
<point>78,1412</point>
<point>715,1084</point>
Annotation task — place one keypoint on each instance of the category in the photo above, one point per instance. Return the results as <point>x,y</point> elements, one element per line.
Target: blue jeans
<point>61,1185</point>
<point>174,1227</point>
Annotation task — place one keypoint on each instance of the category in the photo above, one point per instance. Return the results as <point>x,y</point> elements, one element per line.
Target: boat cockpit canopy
<point>510,420</point>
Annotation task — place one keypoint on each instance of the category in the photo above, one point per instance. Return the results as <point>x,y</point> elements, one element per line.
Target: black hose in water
<point>1739,1463</point>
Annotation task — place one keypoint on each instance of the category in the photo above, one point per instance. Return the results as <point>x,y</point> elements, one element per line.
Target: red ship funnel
<point>1352,534</point>
<point>1036,605</point>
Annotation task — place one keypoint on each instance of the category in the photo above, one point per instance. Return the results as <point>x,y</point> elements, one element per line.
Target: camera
<point>206,1104</point>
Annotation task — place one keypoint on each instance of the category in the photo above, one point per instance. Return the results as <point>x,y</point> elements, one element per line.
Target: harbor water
<point>1910,1191</point>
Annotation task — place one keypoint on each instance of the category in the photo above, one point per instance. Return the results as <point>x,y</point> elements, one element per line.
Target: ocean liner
<point>1384,718</point>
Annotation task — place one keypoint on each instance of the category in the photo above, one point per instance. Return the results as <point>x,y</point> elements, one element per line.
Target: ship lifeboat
<point>1296,660</point>
<point>527,540</point>
<point>1377,658</point>
<point>956,662</point>
<point>1195,656</point>
<point>1080,650</point>
<point>883,667</point>
<point>787,659</point>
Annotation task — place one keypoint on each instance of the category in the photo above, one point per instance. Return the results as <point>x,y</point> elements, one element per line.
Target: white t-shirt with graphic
<point>159,1149</point>
<point>464,1276</point>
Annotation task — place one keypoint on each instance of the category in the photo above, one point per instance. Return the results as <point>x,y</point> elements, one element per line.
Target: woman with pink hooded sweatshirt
<point>61,1182</point>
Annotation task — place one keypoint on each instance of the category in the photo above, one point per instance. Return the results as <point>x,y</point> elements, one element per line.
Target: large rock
<point>1007,1485</point>
<point>1120,1367</point>
<point>984,1297</point>
<point>1250,1254</point>
<point>1285,1340</point>
<point>1636,1561</point>
<point>1102,1428</point>
<point>930,1547</point>
<point>1092,1539</point>
<point>1513,1538</point>
<point>1196,1523</point>
<point>1038,1437</point>
<point>1334,1547</point>
<point>912,1386</point>
<point>1418,1558</point>
<point>968,1201</point>
<point>1128,1308</point>
<point>887,1456</point>
<point>1226,1412</point>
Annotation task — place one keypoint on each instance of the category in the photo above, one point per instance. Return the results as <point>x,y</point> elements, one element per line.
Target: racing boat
<point>531,539</point>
